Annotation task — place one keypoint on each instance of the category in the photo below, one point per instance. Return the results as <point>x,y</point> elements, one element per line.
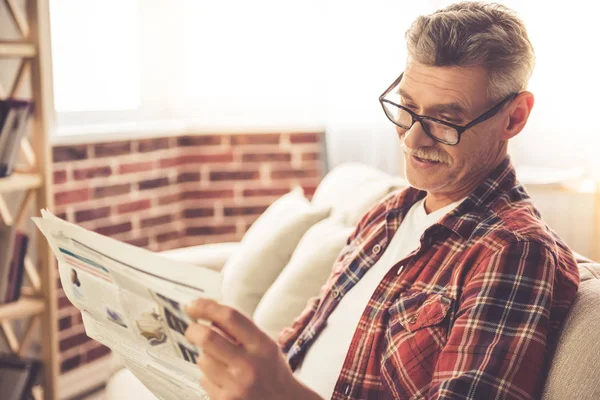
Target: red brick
<point>112,149</point>
<point>200,140</point>
<point>169,162</point>
<point>207,194</point>
<point>272,138</point>
<point>244,210</point>
<point>70,363</point>
<point>137,205</point>
<point>265,192</point>
<point>190,159</point>
<point>73,341</point>
<point>188,177</point>
<point>91,214</point>
<point>209,230</point>
<point>154,221</point>
<point>206,158</point>
<point>165,237</point>
<point>114,229</point>
<point>233,175</point>
<point>294,173</point>
<point>69,153</point>
<point>305,138</point>
<point>169,199</point>
<point>153,183</point>
<point>198,212</point>
<point>309,191</point>
<point>139,242</point>
<point>135,167</point>
<point>112,190</point>
<point>64,323</point>
<point>71,196</point>
<point>266,157</point>
<point>96,353</point>
<point>148,145</point>
<point>63,301</point>
<point>60,177</point>
<point>94,172</point>
<point>311,156</point>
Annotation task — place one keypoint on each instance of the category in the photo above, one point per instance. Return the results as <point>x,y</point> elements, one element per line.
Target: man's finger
<point>213,390</point>
<point>213,369</point>
<point>229,320</point>
<point>213,343</point>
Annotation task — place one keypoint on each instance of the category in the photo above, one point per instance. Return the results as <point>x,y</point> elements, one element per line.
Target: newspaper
<point>132,300</point>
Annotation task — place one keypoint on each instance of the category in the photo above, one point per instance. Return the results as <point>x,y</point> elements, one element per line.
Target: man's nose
<point>415,137</point>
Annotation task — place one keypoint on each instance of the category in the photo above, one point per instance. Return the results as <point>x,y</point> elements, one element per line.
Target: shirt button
<point>300,342</point>
<point>400,270</point>
<point>376,249</point>
<point>413,319</point>
<point>335,293</point>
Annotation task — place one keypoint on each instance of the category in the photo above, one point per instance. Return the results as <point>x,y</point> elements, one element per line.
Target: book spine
<point>20,269</point>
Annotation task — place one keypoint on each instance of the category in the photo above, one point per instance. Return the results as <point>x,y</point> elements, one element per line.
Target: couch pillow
<point>351,189</point>
<point>266,248</point>
<point>303,276</point>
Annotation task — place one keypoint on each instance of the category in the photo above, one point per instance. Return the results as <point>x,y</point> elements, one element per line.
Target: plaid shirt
<point>471,314</point>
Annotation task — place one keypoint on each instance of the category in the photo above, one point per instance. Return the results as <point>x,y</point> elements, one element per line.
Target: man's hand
<point>237,359</point>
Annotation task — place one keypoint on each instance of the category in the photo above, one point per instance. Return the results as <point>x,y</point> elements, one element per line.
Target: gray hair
<point>472,34</point>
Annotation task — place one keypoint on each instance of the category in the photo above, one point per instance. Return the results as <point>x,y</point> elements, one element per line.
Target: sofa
<point>343,196</point>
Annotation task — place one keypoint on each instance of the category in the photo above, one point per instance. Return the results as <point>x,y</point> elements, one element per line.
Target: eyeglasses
<point>437,129</point>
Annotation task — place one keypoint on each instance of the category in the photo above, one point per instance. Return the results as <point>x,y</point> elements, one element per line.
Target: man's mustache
<point>425,153</point>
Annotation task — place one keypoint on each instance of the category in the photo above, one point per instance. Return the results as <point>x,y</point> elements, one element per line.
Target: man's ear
<point>518,114</point>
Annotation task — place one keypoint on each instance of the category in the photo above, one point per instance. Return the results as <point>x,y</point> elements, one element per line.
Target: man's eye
<point>450,120</point>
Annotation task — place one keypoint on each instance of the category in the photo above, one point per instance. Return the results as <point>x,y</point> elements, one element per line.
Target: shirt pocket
<point>415,334</point>
<point>417,310</point>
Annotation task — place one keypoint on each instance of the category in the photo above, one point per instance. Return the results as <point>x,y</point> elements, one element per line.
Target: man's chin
<point>423,180</point>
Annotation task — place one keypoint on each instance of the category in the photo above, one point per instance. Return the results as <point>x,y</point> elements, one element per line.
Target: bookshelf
<point>37,306</point>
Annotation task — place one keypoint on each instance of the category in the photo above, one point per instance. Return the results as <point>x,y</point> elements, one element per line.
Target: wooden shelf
<point>25,307</point>
<point>20,181</point>
<point>16,49</point>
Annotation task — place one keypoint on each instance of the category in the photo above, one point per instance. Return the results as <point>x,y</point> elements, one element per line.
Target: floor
<point>95,395</point>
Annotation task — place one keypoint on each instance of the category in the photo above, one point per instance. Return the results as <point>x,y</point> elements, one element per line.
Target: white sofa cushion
<point>213,256</point>
<point>303,276</point>
<point>266,248</point>
<point>351,189</point>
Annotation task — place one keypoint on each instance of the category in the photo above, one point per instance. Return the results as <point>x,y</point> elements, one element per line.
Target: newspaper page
<point>132,300</point>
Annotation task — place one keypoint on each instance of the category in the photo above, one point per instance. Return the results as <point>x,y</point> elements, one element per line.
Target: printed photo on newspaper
<point>132,300</point>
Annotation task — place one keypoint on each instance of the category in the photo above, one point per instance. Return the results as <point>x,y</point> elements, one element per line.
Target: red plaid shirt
<point>471,314</point>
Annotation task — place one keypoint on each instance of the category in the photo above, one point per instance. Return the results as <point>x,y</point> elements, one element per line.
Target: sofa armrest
<point>213,256</point>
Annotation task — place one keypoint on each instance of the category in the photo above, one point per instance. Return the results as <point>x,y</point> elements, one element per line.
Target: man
<point>451,289</point>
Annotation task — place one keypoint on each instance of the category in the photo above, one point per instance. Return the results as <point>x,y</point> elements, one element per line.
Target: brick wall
<point>173,192</point>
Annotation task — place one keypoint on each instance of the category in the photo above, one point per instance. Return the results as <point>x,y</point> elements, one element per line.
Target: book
<point>14,115</point>
<point>17,376</point>
<point>16,270</point>
<point>7,241</point>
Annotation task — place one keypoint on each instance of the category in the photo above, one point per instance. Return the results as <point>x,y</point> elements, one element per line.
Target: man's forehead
<point>444,85</point>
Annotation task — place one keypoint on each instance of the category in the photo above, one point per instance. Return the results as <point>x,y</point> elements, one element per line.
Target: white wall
<point>234,64</point>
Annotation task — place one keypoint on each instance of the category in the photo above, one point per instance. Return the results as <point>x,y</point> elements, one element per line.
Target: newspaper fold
<point>132,300</point>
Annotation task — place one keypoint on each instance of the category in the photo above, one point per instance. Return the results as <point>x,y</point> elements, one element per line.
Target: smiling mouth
<point>424,160</point>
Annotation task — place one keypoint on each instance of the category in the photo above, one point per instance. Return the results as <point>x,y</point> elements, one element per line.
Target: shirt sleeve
<point>497,345</point>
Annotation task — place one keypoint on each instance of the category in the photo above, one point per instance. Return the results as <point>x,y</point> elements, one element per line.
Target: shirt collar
<point>464,218</point>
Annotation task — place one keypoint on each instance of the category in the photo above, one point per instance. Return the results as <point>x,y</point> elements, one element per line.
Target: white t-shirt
<point>323,362</point>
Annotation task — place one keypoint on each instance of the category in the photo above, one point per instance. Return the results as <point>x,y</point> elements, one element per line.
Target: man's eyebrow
<point>453,109</point>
